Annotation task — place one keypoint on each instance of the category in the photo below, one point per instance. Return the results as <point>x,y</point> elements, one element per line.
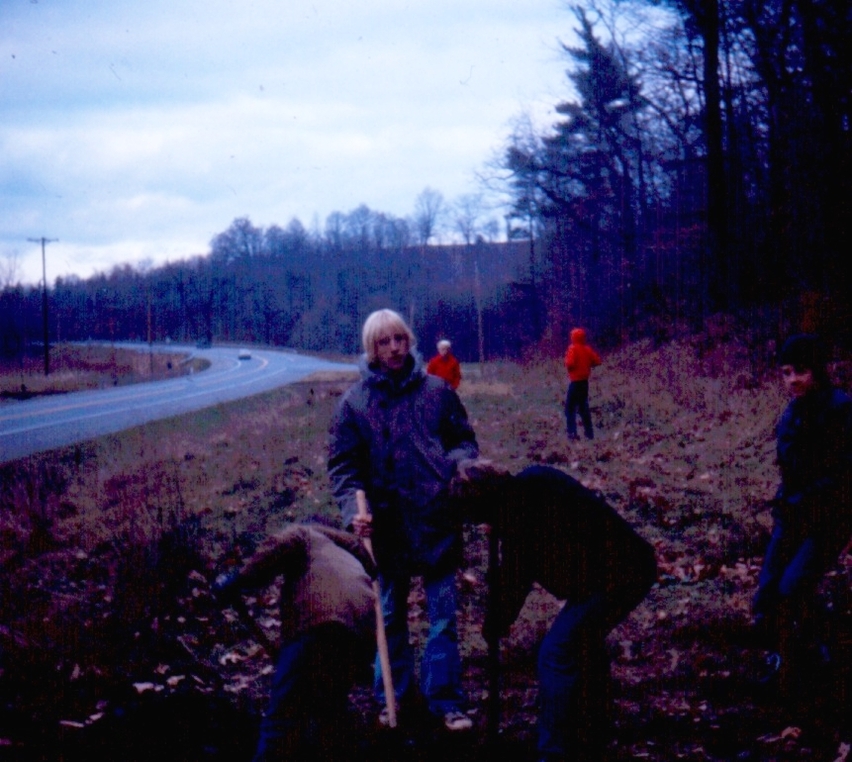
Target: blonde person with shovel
<point>401,436</point>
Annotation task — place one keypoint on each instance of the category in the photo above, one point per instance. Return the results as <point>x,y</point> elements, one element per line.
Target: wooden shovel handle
<point>381,635</point>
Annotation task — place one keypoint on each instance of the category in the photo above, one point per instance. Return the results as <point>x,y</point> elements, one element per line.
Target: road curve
<point>49,422</point>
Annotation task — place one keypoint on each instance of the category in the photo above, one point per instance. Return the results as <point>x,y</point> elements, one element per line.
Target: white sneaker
<point>456,721</point>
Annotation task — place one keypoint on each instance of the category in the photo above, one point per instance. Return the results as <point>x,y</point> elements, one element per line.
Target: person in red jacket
<point>580,358</point>
<point>444,365</point>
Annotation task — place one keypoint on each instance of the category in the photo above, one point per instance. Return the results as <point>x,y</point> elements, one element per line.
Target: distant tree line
<point>288,287</point>
<point>702,165</point>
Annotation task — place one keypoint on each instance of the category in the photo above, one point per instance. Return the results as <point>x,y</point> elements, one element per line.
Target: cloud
<point>140,130</point>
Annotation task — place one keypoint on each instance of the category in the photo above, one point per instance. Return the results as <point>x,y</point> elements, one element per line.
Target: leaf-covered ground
<point>111,646</point>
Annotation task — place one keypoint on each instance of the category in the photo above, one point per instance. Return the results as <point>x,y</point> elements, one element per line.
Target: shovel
<point>381,637</point>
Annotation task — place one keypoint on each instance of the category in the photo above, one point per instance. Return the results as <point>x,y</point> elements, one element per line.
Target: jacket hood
<point>373,374</point>
<point>578,336</point>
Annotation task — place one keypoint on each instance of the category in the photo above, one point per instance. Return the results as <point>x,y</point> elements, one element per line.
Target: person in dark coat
<point>555,532</point>
<point>327,637</point>
<point>401,436</point>
<point>812,508</point>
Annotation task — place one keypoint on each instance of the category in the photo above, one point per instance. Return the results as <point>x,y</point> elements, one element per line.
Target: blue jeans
<point>307,711</point>
<point>440,668</point>
<point>577,401</point>
<point>784,603</point>
<point>786,587</point>
<point>573,674</point>
<point>791,568</point>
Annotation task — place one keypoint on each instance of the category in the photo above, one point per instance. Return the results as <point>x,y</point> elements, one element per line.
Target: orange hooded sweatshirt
<point>580,358</point>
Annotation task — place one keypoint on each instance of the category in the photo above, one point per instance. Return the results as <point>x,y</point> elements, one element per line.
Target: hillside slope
<point>107,627</point>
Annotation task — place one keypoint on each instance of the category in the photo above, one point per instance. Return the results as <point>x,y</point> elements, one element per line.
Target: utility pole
<point>150,337</point>
<point>44,241</point>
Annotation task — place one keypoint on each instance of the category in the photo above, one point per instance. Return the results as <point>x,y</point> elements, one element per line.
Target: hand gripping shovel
<point>381,637</point>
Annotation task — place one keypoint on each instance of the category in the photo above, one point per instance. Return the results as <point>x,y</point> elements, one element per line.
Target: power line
<point>44,241</point>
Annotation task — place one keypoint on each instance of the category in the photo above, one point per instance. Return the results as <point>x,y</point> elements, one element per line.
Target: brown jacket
<point>326,578</point>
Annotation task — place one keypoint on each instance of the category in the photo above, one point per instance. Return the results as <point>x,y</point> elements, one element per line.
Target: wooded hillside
<point>701,164</point>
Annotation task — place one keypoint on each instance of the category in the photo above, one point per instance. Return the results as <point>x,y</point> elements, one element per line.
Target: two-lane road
<point>49,422</point>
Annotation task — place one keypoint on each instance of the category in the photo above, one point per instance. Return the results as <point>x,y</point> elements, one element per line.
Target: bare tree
<point>467,211</point>
<point>9,268</point>
<point>490,230</point>
<point>429,209</point>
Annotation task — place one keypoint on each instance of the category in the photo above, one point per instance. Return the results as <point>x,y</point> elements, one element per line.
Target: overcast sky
<point>134,131</point>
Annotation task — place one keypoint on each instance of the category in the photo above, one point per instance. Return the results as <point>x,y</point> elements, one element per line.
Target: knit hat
<point>804,351</point>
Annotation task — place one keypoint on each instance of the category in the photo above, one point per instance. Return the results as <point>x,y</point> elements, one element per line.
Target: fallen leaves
<point>144,687</point>
<point>685,570</point>
<point>742,571</point>
<point>689,475</point>
<point>232,657</point>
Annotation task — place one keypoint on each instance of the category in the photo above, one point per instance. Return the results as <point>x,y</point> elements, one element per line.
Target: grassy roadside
<point>75,367</point>
<point>107,548</point>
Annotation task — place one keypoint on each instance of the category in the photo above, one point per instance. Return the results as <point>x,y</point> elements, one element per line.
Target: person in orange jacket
<point>444,365</point>
<point>580,358</point>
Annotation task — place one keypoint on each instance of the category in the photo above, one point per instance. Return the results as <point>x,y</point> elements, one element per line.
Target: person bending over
<point>327,637</point>
<point>555,532</point>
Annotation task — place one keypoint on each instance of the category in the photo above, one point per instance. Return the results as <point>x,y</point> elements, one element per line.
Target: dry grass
<point>106,549</point>
<point>74,367</point>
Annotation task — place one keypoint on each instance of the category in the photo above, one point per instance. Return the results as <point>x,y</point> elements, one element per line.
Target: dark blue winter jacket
<point>815,458</point>
<point>400,438</point>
